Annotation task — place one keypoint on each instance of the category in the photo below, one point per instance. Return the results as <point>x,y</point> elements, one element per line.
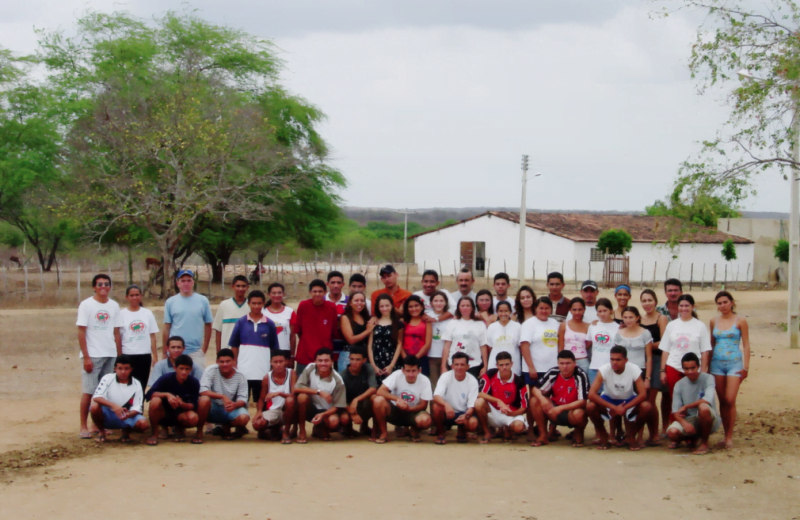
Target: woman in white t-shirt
<point>538,342</point>
<point>466,333</point>
<point>283,316</point>
<point>600,337</point>
<point>684,335</point>
<point>503,336</point>
<point>440,305</point>
<point>138,331</point>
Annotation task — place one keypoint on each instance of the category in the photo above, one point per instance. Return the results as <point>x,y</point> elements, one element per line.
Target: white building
<point>567,243</point>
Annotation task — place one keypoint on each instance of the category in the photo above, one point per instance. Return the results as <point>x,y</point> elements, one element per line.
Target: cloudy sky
<point>432,103</point>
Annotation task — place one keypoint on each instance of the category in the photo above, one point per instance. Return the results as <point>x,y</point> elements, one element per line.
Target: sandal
<point>484,440</point>
<point>152,441</point>
<point>440,441</point>
<point>673,445</point>
<point>302,441</point>
<point>197,440</point>
<point>653,442</point>
<point>380,440</point>
<point>286,440</point>
<point>603,446</point>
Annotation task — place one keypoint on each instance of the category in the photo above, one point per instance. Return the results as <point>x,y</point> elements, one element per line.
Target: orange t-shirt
<point>399,297</point>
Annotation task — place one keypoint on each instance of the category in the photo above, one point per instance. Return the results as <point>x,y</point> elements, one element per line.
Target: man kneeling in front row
<point>173,400</point>
<point>361,386</point>
<point>321,398</point>
<point>562,399</point>
<point>402,400</point>
<point>624,395</point>
<point>454,401</point>
<point>693,410</point>
<point>276,404</point>
<point>503,400</point>
<point>117,402</point>
<point>223,398</point>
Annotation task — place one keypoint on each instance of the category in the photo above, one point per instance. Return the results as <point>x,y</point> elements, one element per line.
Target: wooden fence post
<point>725,280</point>
<point>25,268</point>
<point>691,276</point>
<point>210,279</point>
<point>222,280</point>
<point>79,283</point>
<point>5,279</point>
<point>441,273</point>
<point>533,279</point>
<point>455,270</point>
<point>641,280</point>
<point>703,278</point>
<point>41,278</point>
<point>747,275</point>
<point>714,279</point>
<point>575,274</point>
<point>655,266</point>
<point>488,265</point>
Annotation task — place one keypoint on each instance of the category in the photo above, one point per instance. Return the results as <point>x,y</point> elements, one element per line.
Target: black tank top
<point>358,329</point>
<point>655,330</point>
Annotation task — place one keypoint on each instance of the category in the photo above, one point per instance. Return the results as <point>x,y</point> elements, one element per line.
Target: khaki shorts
<point>198,358</point>
<point>692,419</point>
<point>498,419</point>
<point>101,366</point>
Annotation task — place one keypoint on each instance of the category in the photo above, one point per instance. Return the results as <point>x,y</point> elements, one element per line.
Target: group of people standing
<point>486,363</point>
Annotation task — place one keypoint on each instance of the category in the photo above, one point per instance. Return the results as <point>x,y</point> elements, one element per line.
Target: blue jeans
<point>584,364</point>
<point>112,422</point>
<point>218,415</point>
<point>344,360</point>
<point>592,375</point>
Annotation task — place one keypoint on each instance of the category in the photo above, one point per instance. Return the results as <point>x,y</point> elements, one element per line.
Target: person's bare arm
<point>262,398</point>
<point>153,349</point>
<point>561,331</point>
<point>218,340</point>
<point>421,407</point>
<point>165,340</point>
<point>119,411</point>
<point>705,358</point>
<point>641,395</point>
<point>445,355</point>
<point>744,328</point>
<point>118,340</point>
<point>428,340</point>
<point>347,331</point>
<point>525,350</point>
<point>88,366</point>
<point>484,358</point>
<point>206,337</point>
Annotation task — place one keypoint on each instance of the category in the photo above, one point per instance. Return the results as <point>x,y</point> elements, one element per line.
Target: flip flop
<point>700,452</point>
<point>461,440</point>
<point>286,440</point>
<point>537,443</point>
<point>85,435</point>
<point>652,443</point>
<point>152,441</point>
<point>197,441</point>
<point>302,441</point>
<point>484,440</point>
<point>673,445</point>
<point>577,445</point>
<point>634,447</point>
<point>417,438</point>
<point>603,447</point>
<point>217,431</point>
<point>380,440</point>
<point>440,441</point>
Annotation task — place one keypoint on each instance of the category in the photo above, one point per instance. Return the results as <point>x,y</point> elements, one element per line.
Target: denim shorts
<point>112,422</point>
<point>218,415</point>
<point>725,367</point>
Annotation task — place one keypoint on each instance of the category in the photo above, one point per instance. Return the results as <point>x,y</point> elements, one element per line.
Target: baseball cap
<point>387,269</point>
<point>184,272</point>
<point>589,284</point>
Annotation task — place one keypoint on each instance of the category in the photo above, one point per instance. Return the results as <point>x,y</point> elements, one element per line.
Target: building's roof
<point>586,227</point>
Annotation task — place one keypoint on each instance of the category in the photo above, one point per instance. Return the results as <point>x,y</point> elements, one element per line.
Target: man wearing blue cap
<point>188,315</point>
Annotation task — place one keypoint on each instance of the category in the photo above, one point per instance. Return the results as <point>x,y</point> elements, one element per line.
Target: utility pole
<point>405,233</point>
<point>794,237</point>
<point>522,221</point>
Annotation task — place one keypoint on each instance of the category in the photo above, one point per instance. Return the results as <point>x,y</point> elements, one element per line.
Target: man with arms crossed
<point>555,284</point>
<point>399,296</point>
<point>173,400</point>
<point>175,348</point>
<point>316,326</point>
<point>117,402</point>
<point>561,399</point>
<point>188,315</point>
<point>223,398</point>
<point>229,311</point>
<point>276,404</point>
<point>454,401</point>
<point>503,399</point>
<point>589,294</point>
<point>501,284</point>
<point>693,408</point>
<point>360,386</point>
<point>321,398</point>
<point>402,400</point>
<point>464,281</point>
<point>99,340</point>
<point>624,395</point>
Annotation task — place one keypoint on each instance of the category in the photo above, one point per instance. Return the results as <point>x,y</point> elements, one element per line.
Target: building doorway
<point>473,257</point>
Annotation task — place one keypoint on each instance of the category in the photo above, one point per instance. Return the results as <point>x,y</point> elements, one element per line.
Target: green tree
<point>781,251</point>
<point>31,183</point>
<point>615,241</point>
<point>729,250</point>
<point>169,128</point>
<point>764,40</point>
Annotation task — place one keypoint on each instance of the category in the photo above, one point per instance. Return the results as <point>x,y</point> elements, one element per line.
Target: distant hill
<point>765,214</point>
<point>431,216</point>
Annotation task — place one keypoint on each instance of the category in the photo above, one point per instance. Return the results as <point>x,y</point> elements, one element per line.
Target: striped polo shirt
<point>254,339</point>
<point>227,313</point>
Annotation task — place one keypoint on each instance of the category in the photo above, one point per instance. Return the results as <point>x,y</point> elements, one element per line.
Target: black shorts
<point>402,417</point>
<point>170,415</point>
<point>312,410</point>
<point>364,409</point>
<point>449,423</point>
<point>254,389</point>
<point>562,419</point>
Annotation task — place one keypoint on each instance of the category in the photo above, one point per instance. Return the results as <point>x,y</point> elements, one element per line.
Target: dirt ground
<point>47,472</point>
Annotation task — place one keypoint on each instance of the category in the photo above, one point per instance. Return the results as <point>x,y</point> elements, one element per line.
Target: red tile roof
<point>586,227</point>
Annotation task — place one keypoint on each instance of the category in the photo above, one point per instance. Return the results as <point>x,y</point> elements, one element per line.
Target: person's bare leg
<point>666,409</point>
<point>86,401</point>
<point>380,410</point>
<point>96,412</point>
<point>482,412</point>
<point>535,410</point>
<point>675,438</point>
<point>240,427</point>
<point>578,419</point>
<point>729,420</point>
<point>203,409</point>
<point>652,419</point>
<point>421,422</point>
<point>185,420</point>
<point>439,416</point>
<point>632,428</point>
<point>156,413</point>
<point>599,425</point>
<point>289,419</point>
<point>302,408</point>
<point>705,421</point>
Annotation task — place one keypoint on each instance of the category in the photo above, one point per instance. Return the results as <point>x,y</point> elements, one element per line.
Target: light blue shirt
<point>188,316</point>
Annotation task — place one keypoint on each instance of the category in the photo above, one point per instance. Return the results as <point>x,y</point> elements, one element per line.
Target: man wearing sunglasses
<point>100,342</point>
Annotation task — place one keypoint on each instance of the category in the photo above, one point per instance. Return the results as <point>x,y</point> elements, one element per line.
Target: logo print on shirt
<point>137,327</point>
<point>407,397</point>
<point>602,338</point>
<point>279,329</point>
<point>507,394</point>
<point>102,317</point>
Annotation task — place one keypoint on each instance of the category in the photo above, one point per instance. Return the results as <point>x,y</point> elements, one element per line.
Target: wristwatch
<point>318,391</point>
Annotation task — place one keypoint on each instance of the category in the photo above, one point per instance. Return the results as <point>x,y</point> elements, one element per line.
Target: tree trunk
<point>213,258</point>
<point>168,280</point>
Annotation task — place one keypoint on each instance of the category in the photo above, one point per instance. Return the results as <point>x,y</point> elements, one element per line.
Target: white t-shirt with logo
<point>437,341</point>
<point>505,339</point>
<point>129,396</point>
<point>460,395</point>
<point>602,337</point>
<point>681,337</point>
<point>100,320</point>
<point>466,336</point>
<point>620,386</point>
<point>228,313</point>
<point>412,394</point>
<point>543,339</point>
<point>283,324</point>
<point>136,329</point>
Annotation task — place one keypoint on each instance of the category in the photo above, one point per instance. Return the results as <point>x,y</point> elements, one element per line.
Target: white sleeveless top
<point>278,401</point>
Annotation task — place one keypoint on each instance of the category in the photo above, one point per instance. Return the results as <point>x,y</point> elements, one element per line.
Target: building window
<point>597,255</point>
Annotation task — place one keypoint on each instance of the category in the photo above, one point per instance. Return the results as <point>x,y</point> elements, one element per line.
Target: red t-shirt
<point>565,391</point>
<point>513,393</point>
<point>316,326</point>
<point>414,338</point>
<point>399,297</point>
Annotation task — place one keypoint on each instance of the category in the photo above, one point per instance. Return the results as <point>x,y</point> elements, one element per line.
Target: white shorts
<point>498,419</point>
<point>273,417</point>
